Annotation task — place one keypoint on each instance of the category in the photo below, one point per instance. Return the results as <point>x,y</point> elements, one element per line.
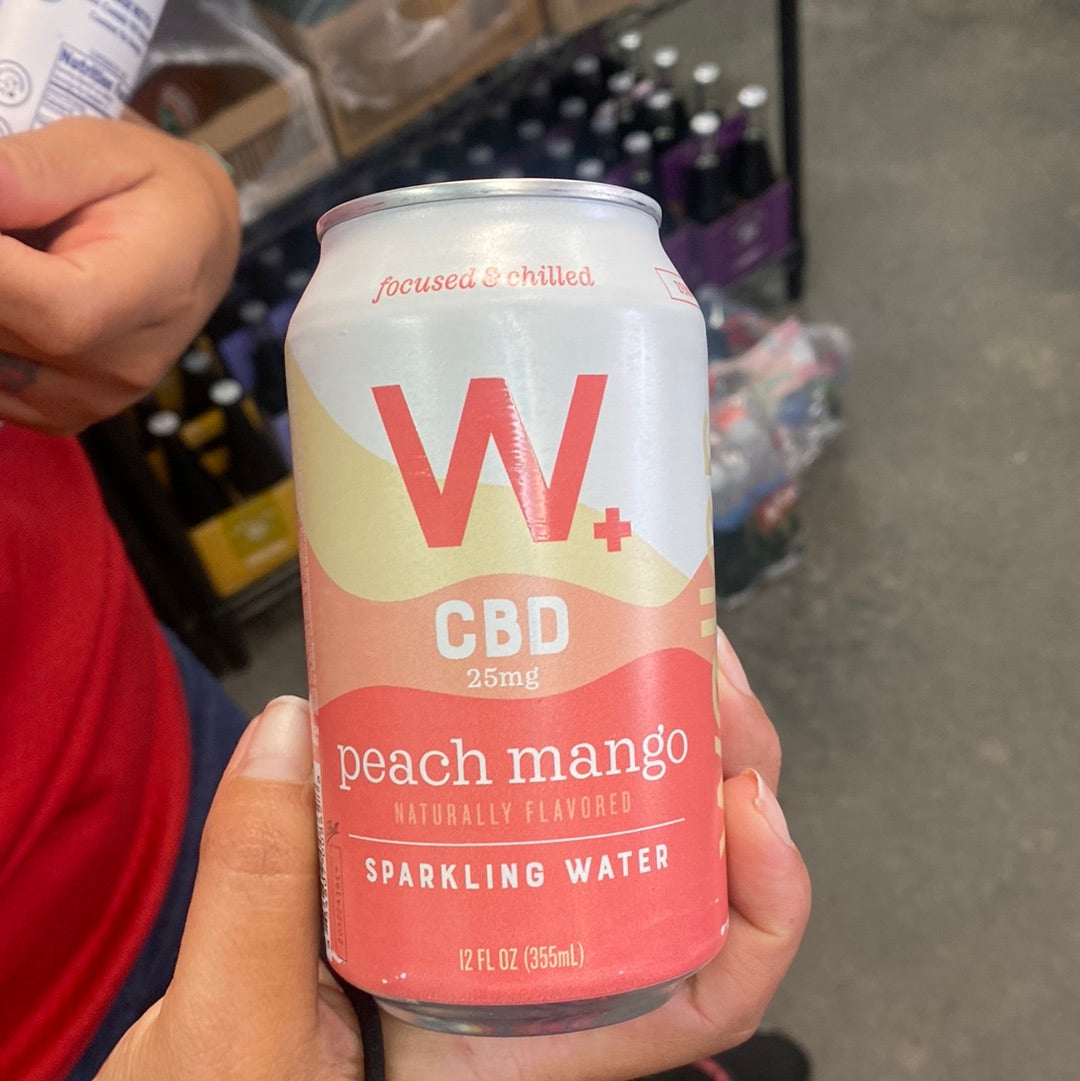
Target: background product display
<point>602,102</point>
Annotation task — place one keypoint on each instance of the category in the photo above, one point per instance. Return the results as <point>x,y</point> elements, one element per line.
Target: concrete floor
<point>921,663</point>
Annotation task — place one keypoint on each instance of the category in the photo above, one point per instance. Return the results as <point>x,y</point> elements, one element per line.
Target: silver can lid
<point>457,190</point>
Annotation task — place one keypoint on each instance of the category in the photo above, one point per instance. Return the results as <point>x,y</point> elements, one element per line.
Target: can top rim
<point>475,189</point>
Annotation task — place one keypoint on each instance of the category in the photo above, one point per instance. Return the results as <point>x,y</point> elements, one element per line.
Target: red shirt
<point>94,758</point>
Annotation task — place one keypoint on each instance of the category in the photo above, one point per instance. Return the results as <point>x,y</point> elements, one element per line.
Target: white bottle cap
<point>163,423</point>
<point>197,361</point>
<point>704,124</point>
<point>753,96</point>
<point>225,392</point>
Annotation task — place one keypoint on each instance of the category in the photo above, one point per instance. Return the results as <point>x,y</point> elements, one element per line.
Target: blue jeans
<point>216,724</point>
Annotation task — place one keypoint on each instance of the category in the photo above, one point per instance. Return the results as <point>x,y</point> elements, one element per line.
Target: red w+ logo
<point>489,413</point>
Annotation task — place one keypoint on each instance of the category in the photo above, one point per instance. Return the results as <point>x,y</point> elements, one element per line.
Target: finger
<point>35,396</point>
<point>47,394</point>
<point>748,737</point>
<point>17,373</point>
<point>63,303</point>
<point>718,1008</point>
<point>47,173</point>
<point>769,898</point>
<point>112,263</point>
<point>249,956</point>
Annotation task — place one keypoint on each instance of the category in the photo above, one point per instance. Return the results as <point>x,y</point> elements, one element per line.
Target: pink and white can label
<point>498,402</point>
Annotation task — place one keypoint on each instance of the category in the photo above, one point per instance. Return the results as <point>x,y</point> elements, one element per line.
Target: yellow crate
<point>248,541</point>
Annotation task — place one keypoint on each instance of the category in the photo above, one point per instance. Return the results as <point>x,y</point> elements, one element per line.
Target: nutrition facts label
<point>70,58</point>
<point>77,85</point>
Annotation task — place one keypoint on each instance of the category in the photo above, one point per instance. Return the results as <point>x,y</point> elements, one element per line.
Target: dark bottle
<point>706,89</point>
<point>665,67</point>
<point>447,153</point>
<point>139,415</point>
<point>629,51</point>
<point>587,79</point>
<point>621,88</point>
<point>559,157</point>
<point>662,122</point>
<point>302,244</point>
<point>751,165</point>
<point>665,62</point>
<point>226,317</point>
<point>198,369</point>
<point>405,172</point>
<point>254,462</point>
<point>195,494</point>
<point>605,142</point>
<point>253,314</point>
<point>530,136</point>
<point>480,161</point>
<point>573,116</point>
<point>590,169</point>
<point>495,128</point>
<point>266,271</point>
<point>708,189</point>
<point>268,358</point>
<point>536,103</point>
<point>296,281</point>
<point>638,148</point>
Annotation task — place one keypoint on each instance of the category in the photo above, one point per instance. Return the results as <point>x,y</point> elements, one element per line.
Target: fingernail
<point>730,664</point>
<point>769,809</point>
<point>277,746</point>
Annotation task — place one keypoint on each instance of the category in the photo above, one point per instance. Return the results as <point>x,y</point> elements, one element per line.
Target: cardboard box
<point>380,64</point>
<point>570,16</point>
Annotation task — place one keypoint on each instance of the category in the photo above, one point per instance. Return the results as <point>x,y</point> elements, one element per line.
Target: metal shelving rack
<point>787,36</point>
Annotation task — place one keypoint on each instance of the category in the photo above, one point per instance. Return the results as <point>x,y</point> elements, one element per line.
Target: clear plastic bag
<point>215,75</point>
<point>774,405</point>
<point>380,63</point>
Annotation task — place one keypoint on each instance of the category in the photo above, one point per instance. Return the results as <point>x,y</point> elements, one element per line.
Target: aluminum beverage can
<point>70,58</point>
<point>498,402</point>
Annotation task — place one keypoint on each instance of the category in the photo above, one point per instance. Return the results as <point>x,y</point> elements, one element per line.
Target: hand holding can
<point>501,456</point>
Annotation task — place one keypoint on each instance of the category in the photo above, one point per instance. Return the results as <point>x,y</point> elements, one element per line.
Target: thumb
<point>249,956</point>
